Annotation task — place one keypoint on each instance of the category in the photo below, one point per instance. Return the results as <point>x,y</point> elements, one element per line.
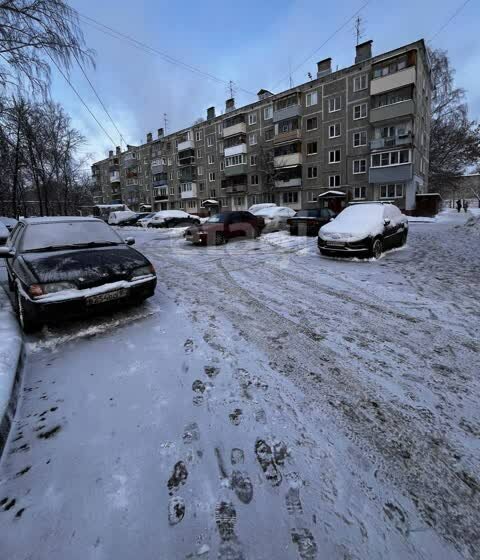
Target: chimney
<point>364,52</point>
<point>110,154</point>
<point>149,136</point>
<point>210,113</point>
<point>117,150</point>
<point>160,132</point>
<point>324,67</point>
<point>263,94</point>
<point>229,105</point>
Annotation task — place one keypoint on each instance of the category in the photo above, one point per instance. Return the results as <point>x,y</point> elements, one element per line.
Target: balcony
<point>187,160</point>
<point>115,177</point>
<point>292,182</point>
<point>288,136</point>
<point>238,128</point>
<point>287,113</point>
<point>157,168</point>
<point>159,182</point>
<point>391,141</point>
<point>241,169</point>
<point>393,81</point>
<point>189,190</point>
<point>391,174</point>
<point>130,161</point>
<point>235,150</point>
<point>392,112</point>
<point>236,189</point>
<point>287,160</point>
<point>185,145</point>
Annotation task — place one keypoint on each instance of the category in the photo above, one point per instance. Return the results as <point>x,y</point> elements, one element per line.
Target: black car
<point>219,228</point>
<point>69,266</point>
<point>308,222</point>
<point>133,221</point>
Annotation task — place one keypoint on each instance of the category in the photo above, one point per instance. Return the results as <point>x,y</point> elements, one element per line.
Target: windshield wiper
<point>95,244</point>
<point>72,246</point>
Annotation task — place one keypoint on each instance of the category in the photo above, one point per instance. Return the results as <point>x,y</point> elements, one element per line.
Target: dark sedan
<point>69,266</point>
<point>308,222</point>
<point>218,229</point>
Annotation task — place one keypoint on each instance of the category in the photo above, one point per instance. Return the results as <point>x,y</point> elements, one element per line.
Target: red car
<point>218,229</point>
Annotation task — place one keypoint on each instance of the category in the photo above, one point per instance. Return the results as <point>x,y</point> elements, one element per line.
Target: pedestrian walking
<point>459,205</point>
<point>465,205</point>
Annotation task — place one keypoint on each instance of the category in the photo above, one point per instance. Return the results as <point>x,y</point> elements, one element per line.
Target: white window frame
<point>200,170</point>
<point>252,136</point>
<point>360,134</point>
<point>311,196</point>
<point>396,186</point>
<point>332,184</point>
<point>363,109</point>
<point>358,161</point>
<point>172,191</point>
<point>198,135</point>
<point>316,149</point>
<point>332,107</point>
<point>268,113</point>
<point>360,82</point>
<point>257,180</point>
<point>252,118</point>
<point>211,159</point>
<point>232,161</point>
<point>199,153</point>
<point>314,174</point>
<point>306,124</point>
<point>210,140</point>
<point>211,176</point>
<point>253,160</point>
<point>311,98</point>
<point>335,153</point>
<point>334,126</point>
<point>390,164</point>
<point>361,189</point>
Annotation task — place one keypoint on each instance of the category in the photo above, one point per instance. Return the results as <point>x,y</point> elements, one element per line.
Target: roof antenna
<point>358,28</point>
<point>165,122</point>
<point>231,89</point>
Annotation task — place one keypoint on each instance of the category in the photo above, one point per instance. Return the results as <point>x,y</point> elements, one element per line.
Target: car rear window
<point>216,219</point>
<point>307,213</point>
<point>53,234</point>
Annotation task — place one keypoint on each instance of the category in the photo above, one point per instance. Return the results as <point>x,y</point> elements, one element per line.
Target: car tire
<point>377,248</point>
<point>403,240</point>
<point>26,322</point>
<point>220,238</point>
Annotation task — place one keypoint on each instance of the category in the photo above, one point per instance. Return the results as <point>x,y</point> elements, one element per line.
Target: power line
<point>454,15</point>
<point>325,42</point>
<point>143,46</point>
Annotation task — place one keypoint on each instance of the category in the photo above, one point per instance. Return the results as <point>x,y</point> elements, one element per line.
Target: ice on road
<point>266,403</point>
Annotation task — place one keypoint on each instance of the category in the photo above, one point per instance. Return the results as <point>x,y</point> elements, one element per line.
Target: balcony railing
<point>157,168</point>
<point>240,169</point>
<point>238,128</point>
<point>235,150</point>
<point>289,135</point>
<point>236,189</point>
<point>391,173</point>
<point>185,145</point>
<point>288,182</point>
<point>191,192</point>
<point>391,112</point>
<point>391,141</point>
<point>393,81</point>
<point>287,113</point>
<point>159,182</point>
<point>115,178</point>
<point>188,160</point>
<point>288,159</point>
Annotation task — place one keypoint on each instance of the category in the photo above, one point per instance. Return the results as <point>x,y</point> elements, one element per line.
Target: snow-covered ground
<point>266,403</point>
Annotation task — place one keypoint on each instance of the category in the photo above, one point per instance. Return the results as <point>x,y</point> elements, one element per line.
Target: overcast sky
<point>254,43</point>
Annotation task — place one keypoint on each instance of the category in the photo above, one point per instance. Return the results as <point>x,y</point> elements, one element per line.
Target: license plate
<point>335,244</point>
<point>107,296</point>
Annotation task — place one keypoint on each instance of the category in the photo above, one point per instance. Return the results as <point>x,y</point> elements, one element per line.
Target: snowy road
<point>266,403</point>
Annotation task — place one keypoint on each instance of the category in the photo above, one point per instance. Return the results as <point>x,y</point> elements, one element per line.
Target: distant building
<point>362,132</point>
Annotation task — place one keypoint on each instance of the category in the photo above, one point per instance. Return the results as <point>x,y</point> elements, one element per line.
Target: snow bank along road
<point>266,403</point>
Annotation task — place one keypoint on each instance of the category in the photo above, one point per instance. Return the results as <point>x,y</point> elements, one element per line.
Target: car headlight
<point>141,271</point>
<point>37,290</point>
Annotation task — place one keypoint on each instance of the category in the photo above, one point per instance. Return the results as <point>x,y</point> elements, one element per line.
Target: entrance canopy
<point>332,194</point>
<point>210,202</point>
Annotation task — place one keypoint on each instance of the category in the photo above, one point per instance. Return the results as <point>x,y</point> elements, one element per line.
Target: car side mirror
<point>130,240</point>
<point>386,221</point>
<point>331,219</point>
<point>7,252</point>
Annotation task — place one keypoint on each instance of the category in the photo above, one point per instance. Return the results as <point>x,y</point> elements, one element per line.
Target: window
<point>211,176</point>
<point>210,140</point>
<point>390,158</point>
<point>200,170</point>
<point>311,196</point>
<point>201,187</point>
<point>199,153</point>
<point>290,197</point>
<point>170,175</point>
<point>239,202</point>
<point>359,111</point>
<point>169,161</point>
<point>334,181</point>
<point>359,192</point>
<point>254,180</point>
<point>213,192</point>
<point>222,165</point>
<point>312,172</point>
<point>172,191</point>
<point>311,148</point>
<point>360,82</point>
<point>179,174</point>
<point>333,156</point>
<point>252,118</point>
<point>269,134</point>
<point>359,165</point>
<point>235,160</point>
<point>334,130</point>
<point>334,104</point>
<point>268,113</point>
<point>198,135</point>
<point>311,99</point>
<point>252,139</point>
<point>390,67</point>
<point>253,160</point>
<point>220,147</point>
<point>360,138</point>
<point>211,159</point>
<point>220,129</point>
<point>391,191</point>
<point>392,97</point>
<point>312,123</point>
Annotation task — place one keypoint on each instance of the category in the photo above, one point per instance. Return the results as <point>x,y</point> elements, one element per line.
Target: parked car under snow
<point>172,218</point>
<point>364,229</point>
<point>68,266</point>
<point>274,218</point>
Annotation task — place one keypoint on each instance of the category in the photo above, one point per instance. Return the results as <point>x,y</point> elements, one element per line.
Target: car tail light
<point>152,268</point>
<point>35,290</point>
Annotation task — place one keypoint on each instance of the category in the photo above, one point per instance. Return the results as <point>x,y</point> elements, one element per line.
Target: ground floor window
<point>239,200</point>
<point>394,190</point>
<point>191,204</point>
<point>311,196</point>
<point>290,197</point>
<point>360,192</point>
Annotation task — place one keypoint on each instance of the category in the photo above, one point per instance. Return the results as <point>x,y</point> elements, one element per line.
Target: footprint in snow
<point>307,547</point>
<point>179,476</point>
<point>176,510</point>
<point>265,457</point>
<point>242,485</point>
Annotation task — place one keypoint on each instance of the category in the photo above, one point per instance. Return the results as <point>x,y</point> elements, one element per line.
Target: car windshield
<point>50,235</point>
<point>217,219</point>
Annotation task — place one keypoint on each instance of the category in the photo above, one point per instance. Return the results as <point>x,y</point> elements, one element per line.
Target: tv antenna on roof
<point>165,122</point>
<point>358,28</point>
<point>231,89</point>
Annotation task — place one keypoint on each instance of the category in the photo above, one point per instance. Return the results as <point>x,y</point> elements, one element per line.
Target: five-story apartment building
<point>360,133</point>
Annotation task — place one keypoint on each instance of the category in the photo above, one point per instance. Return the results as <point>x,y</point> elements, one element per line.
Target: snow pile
<point>421,219</point>
<point>473,224</point>
<point>10,348</point>
<point>292,243</point>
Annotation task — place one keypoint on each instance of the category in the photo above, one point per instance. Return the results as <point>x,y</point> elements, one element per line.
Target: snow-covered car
<point>9,222</point>
<point>116,218</point>
<point>261,206</point>
<point>134,220</point>
<point>274,218</point>
<point>69,266</point>
<point>364,229</point>
<point>172,218</point>
<point>308,222</point>
<point>4,233</point>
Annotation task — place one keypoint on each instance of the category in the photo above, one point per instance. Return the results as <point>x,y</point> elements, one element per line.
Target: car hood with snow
<point>163,215</point>
<point>355,223</point>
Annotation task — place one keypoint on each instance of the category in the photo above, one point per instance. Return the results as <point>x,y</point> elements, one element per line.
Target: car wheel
<point>26,322</point>
<point>377,248</point>
<point>403,240</point>
<point>220,238</point>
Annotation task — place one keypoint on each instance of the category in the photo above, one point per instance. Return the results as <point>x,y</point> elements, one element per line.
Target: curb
<point>11,362</point>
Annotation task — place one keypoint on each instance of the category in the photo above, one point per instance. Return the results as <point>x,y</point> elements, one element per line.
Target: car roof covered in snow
<point>56,219</point>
